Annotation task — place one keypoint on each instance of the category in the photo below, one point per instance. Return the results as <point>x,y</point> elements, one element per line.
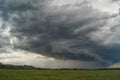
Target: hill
<point>8,66</point>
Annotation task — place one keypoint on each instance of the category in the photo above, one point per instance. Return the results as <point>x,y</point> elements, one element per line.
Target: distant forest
<point>8,66</point>
<point>27,67</point>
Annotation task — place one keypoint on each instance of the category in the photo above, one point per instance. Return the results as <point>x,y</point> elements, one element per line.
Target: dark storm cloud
<point>57,31</point>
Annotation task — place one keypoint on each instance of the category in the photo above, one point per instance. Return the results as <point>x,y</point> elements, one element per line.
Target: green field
<point>6,74</point>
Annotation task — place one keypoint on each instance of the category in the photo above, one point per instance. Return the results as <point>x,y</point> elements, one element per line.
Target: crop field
<point>7,74</point>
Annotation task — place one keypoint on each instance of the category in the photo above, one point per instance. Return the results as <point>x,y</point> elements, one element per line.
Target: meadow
<point>8,74</point>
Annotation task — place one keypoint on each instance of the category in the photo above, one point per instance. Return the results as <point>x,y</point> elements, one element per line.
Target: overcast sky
<point>60,33</point>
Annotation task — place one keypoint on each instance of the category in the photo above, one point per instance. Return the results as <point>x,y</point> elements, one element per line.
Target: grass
<point>7,74</point>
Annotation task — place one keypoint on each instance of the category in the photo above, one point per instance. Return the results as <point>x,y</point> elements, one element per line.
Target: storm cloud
<point>65,30</point>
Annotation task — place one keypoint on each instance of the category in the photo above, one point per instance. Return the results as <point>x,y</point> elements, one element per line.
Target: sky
<point>60,33</point>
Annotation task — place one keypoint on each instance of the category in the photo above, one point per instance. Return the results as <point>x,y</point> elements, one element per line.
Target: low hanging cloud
<point>64,30</point>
